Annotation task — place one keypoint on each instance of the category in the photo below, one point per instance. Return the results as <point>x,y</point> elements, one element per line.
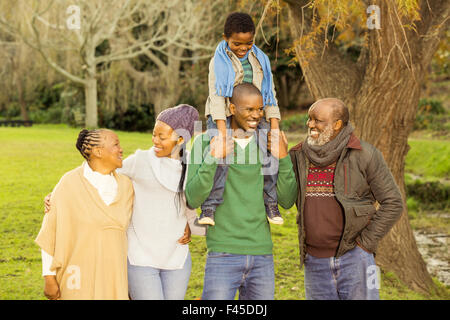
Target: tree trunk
<point>90,87</point>
<point>19,82</point>
<point>382,90</point>
<point>22,102</point>
<point>159,102</point>
<point>90,90</point>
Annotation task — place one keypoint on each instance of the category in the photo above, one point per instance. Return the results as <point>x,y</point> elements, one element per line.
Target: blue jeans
<point>225,273</point>
<point>147,283</point>
<point>269,168</point>
<point>352,276</point>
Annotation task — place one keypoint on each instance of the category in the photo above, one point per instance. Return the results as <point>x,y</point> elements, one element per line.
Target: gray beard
<point>323,137</point>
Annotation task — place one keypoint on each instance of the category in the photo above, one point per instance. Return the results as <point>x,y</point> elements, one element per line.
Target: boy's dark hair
<point>238,22</point>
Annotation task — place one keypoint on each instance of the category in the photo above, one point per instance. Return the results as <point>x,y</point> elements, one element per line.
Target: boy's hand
<point>47,203</point>
<point>221,146</point>
<point>51,288</point>
<point>186,238</point>
<point>278,146</point>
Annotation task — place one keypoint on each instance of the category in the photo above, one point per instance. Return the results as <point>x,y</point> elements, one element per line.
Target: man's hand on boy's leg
<point>274,123</point>
<point>222,127</point>
<point>277,143</point>
<point>221,146</point>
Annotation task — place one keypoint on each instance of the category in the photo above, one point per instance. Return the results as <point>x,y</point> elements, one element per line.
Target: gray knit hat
<point>181,119</point>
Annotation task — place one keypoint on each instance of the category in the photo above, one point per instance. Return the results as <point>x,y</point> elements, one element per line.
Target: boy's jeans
<point>269,168</point>
<point>225,273</point>
<point>352,276</point>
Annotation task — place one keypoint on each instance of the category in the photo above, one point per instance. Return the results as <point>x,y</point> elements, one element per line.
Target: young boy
<point>237,60</point>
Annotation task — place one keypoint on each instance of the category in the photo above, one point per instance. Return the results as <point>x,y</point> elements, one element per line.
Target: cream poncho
<point>87,238</point>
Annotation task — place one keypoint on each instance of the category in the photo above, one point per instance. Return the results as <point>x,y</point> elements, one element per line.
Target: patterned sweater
<point>324,218</point>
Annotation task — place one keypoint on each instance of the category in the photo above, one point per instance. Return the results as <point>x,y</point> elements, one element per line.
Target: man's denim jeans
<point>252,275</point>
<point>352,276</point>
<point>269,169</point>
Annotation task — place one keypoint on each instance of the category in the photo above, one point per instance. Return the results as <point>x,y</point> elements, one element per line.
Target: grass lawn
<point>31,163</point>
<point>429,158</point>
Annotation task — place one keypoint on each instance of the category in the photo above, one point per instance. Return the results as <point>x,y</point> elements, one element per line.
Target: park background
<point>124,61</point>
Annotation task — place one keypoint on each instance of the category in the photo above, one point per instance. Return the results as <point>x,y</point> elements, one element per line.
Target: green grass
<point>429,158</point>
<point>31,163</point>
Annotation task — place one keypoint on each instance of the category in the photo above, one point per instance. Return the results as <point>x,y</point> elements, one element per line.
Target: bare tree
<point>381,87</point>
<point>60,26</point>
<point>12,76</point>
<point>20,72</point>
<point>190,35</point>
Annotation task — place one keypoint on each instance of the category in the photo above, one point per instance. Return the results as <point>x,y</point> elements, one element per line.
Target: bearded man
<point>340,179</point>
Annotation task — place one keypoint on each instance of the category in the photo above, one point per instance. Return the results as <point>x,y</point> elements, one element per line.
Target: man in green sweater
<point>239,244</point>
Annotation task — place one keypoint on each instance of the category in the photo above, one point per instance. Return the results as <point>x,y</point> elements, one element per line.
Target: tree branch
<point>323,58</point>
<point>432,25</point>
<point>53,64</point>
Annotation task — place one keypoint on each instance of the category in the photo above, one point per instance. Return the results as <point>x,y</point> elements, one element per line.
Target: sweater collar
<point>166,170</point>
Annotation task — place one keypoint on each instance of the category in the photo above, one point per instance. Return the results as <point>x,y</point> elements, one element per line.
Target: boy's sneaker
<point>273,214</point>
<point>207,217</point>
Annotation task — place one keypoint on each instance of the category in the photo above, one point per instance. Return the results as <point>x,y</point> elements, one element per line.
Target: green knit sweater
<point>241,226</point>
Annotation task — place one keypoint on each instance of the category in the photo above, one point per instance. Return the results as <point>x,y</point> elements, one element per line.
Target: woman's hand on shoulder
<point>47,203</point>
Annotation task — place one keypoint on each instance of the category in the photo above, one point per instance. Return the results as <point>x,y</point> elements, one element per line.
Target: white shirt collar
<point>105,184</point>
<point>243,142</point>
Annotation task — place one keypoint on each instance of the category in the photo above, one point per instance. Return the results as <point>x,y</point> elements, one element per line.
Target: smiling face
<point>110,151</point>
<point>247,112</point>
<point>240,43</point>
<point>165,140</point>
<point>322,125</point>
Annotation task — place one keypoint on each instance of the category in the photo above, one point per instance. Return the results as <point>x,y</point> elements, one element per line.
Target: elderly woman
<point>84,235</point>
<point>159,261</point>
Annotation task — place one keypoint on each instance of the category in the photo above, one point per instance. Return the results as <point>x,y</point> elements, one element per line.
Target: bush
<point>431,115</point>
<point>430,106</point>
<point>413,207</point>
<point>295,122</point>
<point>50,115</point>
<point>12,112</point>
<point>135,118</point>
<point>428,195</point>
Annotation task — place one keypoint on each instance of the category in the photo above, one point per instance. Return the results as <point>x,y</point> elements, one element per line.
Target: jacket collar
<point>354,142</point>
